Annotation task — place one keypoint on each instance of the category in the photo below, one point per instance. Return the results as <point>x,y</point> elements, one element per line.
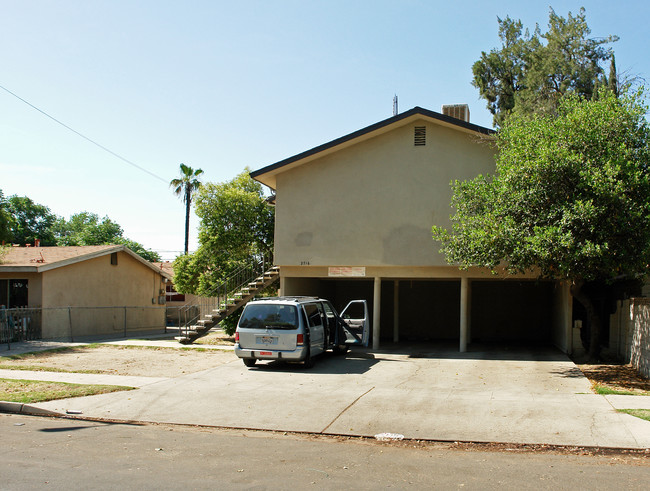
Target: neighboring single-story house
<point>353,220</point>
<point>86,290</point>
<point>181,307</point>
<point>173,298</point>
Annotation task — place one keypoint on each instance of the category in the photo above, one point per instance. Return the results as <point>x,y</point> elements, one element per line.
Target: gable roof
<point>40,259</point>
<point>166,267</point>
<point>266,175</point>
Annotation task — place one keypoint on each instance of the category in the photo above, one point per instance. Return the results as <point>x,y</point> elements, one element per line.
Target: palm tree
<point>185,187</point>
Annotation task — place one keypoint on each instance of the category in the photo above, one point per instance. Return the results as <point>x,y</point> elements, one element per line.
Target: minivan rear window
<point>261,316</point>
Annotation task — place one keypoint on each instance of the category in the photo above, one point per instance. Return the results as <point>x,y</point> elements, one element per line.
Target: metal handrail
<point>223,293</point>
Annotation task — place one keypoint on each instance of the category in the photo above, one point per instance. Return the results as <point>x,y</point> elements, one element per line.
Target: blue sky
<point>224,85</point>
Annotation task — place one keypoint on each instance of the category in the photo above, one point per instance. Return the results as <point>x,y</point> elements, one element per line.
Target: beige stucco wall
<point>104,299</point>
<point>373,204</point>
<point>96,282</point>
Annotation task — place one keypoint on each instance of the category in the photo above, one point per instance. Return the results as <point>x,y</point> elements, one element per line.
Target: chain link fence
<point>72,323</point>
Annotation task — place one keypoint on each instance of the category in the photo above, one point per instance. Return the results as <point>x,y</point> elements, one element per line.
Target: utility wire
<point>84,136</point>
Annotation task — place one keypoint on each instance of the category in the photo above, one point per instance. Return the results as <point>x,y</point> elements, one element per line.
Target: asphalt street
<point>40,452</point>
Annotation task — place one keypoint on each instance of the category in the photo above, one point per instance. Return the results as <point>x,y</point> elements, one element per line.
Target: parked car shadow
<point>353,362</point>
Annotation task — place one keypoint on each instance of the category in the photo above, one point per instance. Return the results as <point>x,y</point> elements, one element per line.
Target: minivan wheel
<point>249,362</point>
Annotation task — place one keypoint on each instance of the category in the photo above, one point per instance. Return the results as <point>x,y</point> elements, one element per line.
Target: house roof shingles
<point>39,259</point>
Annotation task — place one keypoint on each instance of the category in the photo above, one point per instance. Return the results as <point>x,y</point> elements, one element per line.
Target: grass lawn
<point>29,391</point>
<point>605,391</point>
<point>639,413</point>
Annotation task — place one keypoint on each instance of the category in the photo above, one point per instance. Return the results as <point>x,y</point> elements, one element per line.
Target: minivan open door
<point>356,323</point>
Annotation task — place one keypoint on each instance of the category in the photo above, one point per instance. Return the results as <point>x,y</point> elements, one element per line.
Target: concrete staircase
<point>233,302</point>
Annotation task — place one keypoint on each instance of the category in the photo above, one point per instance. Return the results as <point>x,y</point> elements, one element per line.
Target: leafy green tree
<point>86,228</point>
<point>5,220</point>
<point>530,73</point>
<point>570,199</point>
<point>185,187</point>
<point>236,225</point>
<point>30,221</point>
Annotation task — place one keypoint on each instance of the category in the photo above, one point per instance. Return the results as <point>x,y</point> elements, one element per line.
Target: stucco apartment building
<point>91,289</point>
<point>354,218</point>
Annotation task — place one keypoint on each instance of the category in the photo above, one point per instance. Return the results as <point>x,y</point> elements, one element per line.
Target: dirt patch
<point>123,360</point>
<point>616,377</point>
<point>216,338</point>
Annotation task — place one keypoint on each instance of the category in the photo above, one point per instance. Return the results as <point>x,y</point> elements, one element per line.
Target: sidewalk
<point>528,399</point>
<point>160,341</point>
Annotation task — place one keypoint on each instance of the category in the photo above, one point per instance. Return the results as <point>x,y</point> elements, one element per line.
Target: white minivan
<point>297,329</point>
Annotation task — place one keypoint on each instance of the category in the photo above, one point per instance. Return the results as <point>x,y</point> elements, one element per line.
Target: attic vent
<point>420,136</point>
<point>458,111</point>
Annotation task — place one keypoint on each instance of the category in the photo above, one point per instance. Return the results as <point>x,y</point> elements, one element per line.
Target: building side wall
<point>98,283</point>
<point>94,297</point>
<point>374,203</point>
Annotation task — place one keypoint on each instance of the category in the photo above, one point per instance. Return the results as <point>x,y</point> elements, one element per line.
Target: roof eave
<point>42,267</point>
<point>266,175</point>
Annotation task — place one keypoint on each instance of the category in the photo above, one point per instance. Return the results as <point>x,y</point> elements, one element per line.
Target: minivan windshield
<point>262,316</point>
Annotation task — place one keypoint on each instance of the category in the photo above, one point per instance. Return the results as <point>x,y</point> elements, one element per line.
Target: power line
<point>84,136</point>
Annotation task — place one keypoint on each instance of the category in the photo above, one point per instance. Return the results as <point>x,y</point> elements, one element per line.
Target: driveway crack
<point>345,409</point>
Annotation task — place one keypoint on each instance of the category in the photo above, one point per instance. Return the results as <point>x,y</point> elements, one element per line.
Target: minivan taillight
<point>236,336</point>
<point>300,338</point>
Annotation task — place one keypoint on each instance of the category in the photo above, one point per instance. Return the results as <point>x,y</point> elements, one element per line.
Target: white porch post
<point>396,312</point>
<point>464,311</point>
<point>376,314</point>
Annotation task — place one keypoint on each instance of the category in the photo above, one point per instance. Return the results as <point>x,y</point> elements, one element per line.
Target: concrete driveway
<point>503,396</point>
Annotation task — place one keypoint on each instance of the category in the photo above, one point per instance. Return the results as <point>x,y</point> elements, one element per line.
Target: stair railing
<point>224,294</point>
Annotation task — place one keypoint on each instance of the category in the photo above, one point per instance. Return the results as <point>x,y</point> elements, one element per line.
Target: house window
<point>13,293</point>
<point>114,258</point>
<point>420,136</point>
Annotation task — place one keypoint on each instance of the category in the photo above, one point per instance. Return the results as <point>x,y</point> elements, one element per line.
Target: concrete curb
<point>527,447</point>
<point>20,408</point>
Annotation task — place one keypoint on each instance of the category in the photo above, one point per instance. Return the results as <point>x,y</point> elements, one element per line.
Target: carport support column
<point>464,314</point>
<point>376,314</point>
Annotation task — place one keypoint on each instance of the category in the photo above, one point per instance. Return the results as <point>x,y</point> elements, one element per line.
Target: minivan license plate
<point>267,340</point>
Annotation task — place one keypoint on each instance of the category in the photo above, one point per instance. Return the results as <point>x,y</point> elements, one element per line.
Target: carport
<point>462,310</point>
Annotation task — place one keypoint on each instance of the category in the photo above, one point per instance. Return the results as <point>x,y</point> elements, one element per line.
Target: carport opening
<point>512,313</point>
<point>505,313</point>
<point>428,310</point>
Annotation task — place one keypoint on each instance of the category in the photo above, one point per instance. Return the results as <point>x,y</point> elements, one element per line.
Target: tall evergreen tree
<point>612,81</point>
<point>530,73</point>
